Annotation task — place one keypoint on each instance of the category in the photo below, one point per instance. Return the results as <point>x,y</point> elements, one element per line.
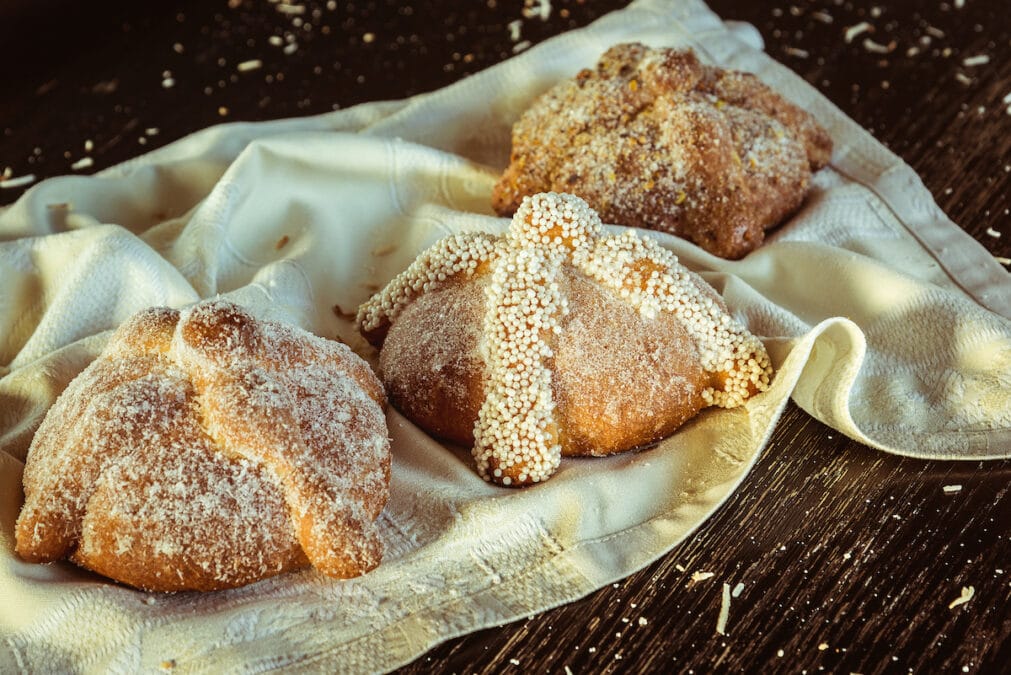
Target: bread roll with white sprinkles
<point>204,449</point>
<point>556,340</point>
<point>654,138</point>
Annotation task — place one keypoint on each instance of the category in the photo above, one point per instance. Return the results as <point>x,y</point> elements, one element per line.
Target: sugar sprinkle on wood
<point>878,48</point>
<point>967,593</point>
<point>721,620</point>
<point>251,64</point>
<point>978,60</point>
<point>515,28</point>
<point>853,31</point>
<point>293,10</point>
<point>19,181</point>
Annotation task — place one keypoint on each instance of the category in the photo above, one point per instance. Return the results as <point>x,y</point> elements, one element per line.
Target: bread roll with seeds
<point>556,340</point>
<point>654,139</point>
<point>204,449</point>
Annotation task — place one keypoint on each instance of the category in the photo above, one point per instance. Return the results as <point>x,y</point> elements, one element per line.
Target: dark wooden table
<point>849,558</point>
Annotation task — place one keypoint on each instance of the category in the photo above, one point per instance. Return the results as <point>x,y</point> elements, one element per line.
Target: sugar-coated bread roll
<point>205,449</point>
<point>653,138</point>
<point>554,340</point>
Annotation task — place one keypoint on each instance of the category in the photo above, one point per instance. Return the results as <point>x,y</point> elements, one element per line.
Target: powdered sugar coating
<point>555,253</point>
<point>652,138</point>
<point>204,449</point>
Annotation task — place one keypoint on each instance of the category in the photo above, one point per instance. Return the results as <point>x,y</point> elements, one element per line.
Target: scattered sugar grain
<point>951,489</point>
<point>515,28</point>
<point>540,9</point>
<point>853,31</point>
<point>250,65</point>
<point>966,596</point>
<point>19,181</point>
<point>978,60</point>
<point>721,620</point>
<point>82,163</point>
<point>878,48</point>
<point>738,589</point>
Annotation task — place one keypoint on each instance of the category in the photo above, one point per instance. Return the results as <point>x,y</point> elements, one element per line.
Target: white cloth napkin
<point>883,318</point>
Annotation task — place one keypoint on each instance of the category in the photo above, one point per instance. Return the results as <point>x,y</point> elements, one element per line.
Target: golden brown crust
<point>430,361</point>
<point>654,139</point>
<point>206,450</point>
<point>621,380</point>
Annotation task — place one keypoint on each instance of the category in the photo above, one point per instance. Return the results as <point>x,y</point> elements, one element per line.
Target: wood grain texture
<point>848,557</point>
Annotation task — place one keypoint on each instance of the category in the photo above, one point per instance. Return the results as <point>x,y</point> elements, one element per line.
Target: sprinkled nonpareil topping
<point>458,254</point>
<point>516,433</point>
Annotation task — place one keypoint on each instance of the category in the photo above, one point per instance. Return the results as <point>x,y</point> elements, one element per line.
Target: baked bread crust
<point>205,449</point>
<point>556,340</point>
<point>654,139</point>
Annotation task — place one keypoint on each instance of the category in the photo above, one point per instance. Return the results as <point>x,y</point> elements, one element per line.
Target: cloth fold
<point>884,320</point>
